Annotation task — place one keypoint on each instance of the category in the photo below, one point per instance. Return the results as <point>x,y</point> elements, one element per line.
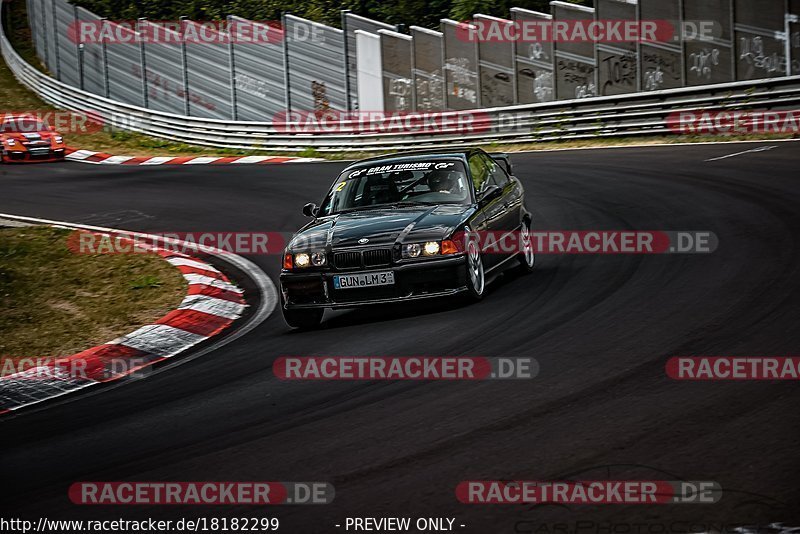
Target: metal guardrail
<point>601,117</point>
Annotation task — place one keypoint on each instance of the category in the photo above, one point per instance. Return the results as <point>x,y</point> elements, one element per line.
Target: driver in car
<point>443,181</point>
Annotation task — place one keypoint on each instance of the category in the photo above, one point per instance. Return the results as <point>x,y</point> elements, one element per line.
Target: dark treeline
<point>409,12</point>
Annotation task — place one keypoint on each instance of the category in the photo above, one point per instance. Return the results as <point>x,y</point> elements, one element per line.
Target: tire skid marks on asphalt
<point>200,289</point>
<point>199,279</point>
<point>211,305</point>
<point>160,339</point>
<point>36,385</point>
<point>188,262</point>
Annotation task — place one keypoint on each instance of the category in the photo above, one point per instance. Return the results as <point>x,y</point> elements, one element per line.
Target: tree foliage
<point>425,13</point>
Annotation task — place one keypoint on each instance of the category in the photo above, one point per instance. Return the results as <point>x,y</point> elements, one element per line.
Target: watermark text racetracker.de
<point>734,122</point>
<point>497,30</point>
<point>332,121</point>
<point>74,368</point>
<point>256,243</point>
<point>404,368</point>
<point>713,368</point>
<point>37,120</point>
<point>201,493</point>
<point>590,242</point>
<point>588,492</point>
<point>489,242</point>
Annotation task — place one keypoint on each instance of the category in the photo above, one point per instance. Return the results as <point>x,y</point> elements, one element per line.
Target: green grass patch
<point>55,302</point>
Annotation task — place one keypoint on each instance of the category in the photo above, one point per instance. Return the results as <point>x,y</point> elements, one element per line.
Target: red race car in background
<point>26,138</point>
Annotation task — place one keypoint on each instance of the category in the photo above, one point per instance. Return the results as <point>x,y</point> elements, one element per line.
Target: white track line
<point>754,150</point>
<point>652,145</point>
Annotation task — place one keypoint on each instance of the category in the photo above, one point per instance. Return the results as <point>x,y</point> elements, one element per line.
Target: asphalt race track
<point>601,328</point>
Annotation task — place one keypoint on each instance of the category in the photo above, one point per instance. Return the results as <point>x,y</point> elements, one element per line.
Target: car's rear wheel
<point>303,319</point>
<point>476,276</point>
<point>527,258</point>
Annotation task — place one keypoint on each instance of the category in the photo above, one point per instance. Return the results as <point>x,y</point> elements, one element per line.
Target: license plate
<point>348,281</point>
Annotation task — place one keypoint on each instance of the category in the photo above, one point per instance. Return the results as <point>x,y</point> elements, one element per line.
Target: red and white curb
<point>101,158</point>
<point>211,305</point>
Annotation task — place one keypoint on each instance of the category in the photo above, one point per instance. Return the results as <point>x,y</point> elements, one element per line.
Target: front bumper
<point>24,156</point>
<point>413,281</point>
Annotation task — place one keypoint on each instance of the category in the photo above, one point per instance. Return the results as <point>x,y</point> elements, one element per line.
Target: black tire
<point>526,258</point>
<point>475,273</point>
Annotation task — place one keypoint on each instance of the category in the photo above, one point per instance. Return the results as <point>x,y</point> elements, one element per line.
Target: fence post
<point>79,47</point>
<point>55,37</point>
<point>347,89</point>
<point>44,34</point>
<point>789,19</point>
<point>184,68</point>
<point>286,63</point>
<point>232,64</point>
<point>143,62</point>
<point>104,51</point>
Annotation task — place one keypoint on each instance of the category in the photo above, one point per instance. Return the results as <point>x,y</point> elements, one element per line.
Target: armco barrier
<point>612,116</point>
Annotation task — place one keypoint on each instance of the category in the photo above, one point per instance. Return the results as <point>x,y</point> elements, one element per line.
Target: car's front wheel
<point>527,257</point>
<point>303,319</point>
<point>476,276</point>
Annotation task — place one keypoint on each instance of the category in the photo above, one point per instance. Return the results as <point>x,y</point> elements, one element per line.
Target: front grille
<point>374,258</point>
<point>347,260</point>
<point>367,258</point>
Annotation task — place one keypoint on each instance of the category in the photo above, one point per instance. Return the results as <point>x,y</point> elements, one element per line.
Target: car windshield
<point>23,125</point>
<point>398,184</point>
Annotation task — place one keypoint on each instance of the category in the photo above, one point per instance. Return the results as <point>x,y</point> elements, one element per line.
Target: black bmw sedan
<point>397,228</point>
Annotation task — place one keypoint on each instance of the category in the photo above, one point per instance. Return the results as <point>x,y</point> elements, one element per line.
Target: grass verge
<point>56,303</point>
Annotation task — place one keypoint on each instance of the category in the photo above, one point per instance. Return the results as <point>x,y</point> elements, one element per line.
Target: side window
<point>497,176</point>
<point>479,171</point>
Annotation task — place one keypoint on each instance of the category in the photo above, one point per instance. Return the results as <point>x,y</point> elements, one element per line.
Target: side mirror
<point>310,210</point>
<point>490,193</point>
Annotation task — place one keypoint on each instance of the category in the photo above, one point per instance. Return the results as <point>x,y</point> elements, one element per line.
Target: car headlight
<point>11,142</point>
<point>318,259</point>
<point>430,248</point>
<point>412,250</point>
<point>59,139</point>
<point>302,260</point>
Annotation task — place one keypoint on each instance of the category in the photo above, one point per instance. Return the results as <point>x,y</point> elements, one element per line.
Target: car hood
<point>382,226</point>
<point>29,136</point>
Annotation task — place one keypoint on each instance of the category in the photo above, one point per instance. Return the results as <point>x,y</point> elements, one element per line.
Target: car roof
<point>417,155</point>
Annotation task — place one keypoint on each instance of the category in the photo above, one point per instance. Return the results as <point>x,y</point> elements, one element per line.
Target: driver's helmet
<point>443,180</point>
